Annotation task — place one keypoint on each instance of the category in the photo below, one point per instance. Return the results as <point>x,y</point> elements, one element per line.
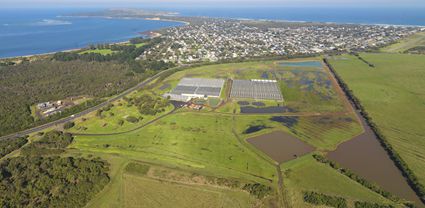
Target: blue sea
<point>409,15</point>
<point>34,31</point>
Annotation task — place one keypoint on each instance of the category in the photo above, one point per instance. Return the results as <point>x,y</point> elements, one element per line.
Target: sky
<point>216,3</point>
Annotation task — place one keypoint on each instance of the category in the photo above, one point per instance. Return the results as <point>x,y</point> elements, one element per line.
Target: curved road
<point>87,111</point>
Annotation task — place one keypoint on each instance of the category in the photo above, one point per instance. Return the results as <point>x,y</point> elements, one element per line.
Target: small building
<point>44,105</point>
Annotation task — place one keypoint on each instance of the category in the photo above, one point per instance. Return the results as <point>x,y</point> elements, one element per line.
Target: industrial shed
<point>189,88</point>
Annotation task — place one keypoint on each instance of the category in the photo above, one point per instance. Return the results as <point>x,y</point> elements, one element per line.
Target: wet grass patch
<point>243,102</point>
<point>255,128</point>
<point>259,104</point>
<point>288,121</point>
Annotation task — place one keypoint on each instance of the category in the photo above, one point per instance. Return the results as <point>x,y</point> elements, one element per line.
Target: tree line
<point>360,204</point>
<point>362,59</point>
<point>322,199</point>
<point>412,179</point>
<point>338,202</point>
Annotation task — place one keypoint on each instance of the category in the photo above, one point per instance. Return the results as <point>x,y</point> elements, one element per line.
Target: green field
<point>99,51</point>
<point>109,121</point>
<point>187,139</point>
<point>393,95</point>
<point>188,147</point>
<point>403,45</point>
<point>138,45</point>
<point>305,174</point>
<point>155,186</point>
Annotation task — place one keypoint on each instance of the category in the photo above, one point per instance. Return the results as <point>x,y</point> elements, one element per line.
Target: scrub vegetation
<point>36,180</point>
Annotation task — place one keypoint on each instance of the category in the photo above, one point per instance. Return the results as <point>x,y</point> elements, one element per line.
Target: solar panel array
<point>199,86</point>
<point>256,89</point>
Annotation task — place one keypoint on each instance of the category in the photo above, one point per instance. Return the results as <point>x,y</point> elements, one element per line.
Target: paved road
<point>85,112</point>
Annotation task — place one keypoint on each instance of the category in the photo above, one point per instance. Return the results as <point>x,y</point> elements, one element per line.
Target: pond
<point>280,146</point>
<point>302,64</point>
<point>365,156</point>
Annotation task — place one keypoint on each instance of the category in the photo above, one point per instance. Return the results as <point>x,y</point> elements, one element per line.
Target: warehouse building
<point>262,89</point>
<point>189,88</point>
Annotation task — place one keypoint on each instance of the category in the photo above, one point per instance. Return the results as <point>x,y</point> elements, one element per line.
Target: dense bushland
<point>26,84</point>
<point>123,54</point>
<point>11,144</point>
<point>36,180</point>
<point>52,142</point>
<point>50,181</point>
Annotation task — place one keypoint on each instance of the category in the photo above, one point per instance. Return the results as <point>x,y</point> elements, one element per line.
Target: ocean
<point>414,16</point>
<point>35,31</point>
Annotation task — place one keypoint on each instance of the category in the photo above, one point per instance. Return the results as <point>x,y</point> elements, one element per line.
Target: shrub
<point>322,199</point>
<point>68,125</point>
<point>257,189</point>
<point>132,119</point>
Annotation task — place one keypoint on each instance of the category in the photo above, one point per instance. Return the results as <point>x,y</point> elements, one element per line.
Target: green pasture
<point>162,187</point>
<point>144,192</point>
<point>305,174</point>
<point>202,141</point>
<point>109,121</point>
<point>99,51</point>
<point>403,45</point>
<point>393,95</point>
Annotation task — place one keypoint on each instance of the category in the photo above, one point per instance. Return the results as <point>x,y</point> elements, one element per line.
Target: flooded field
<point>270,109</point>
<point>280,146</point>
<point>365,156</point>
<point>302,64</point>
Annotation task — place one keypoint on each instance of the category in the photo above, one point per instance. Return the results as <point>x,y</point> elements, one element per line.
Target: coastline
<point>112,42</point>
<point>170,19</point>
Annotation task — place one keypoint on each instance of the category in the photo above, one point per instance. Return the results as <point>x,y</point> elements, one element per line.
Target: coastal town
<point>214,39</point>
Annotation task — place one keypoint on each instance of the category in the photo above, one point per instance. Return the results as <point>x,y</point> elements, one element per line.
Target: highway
<point>87,111</point>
